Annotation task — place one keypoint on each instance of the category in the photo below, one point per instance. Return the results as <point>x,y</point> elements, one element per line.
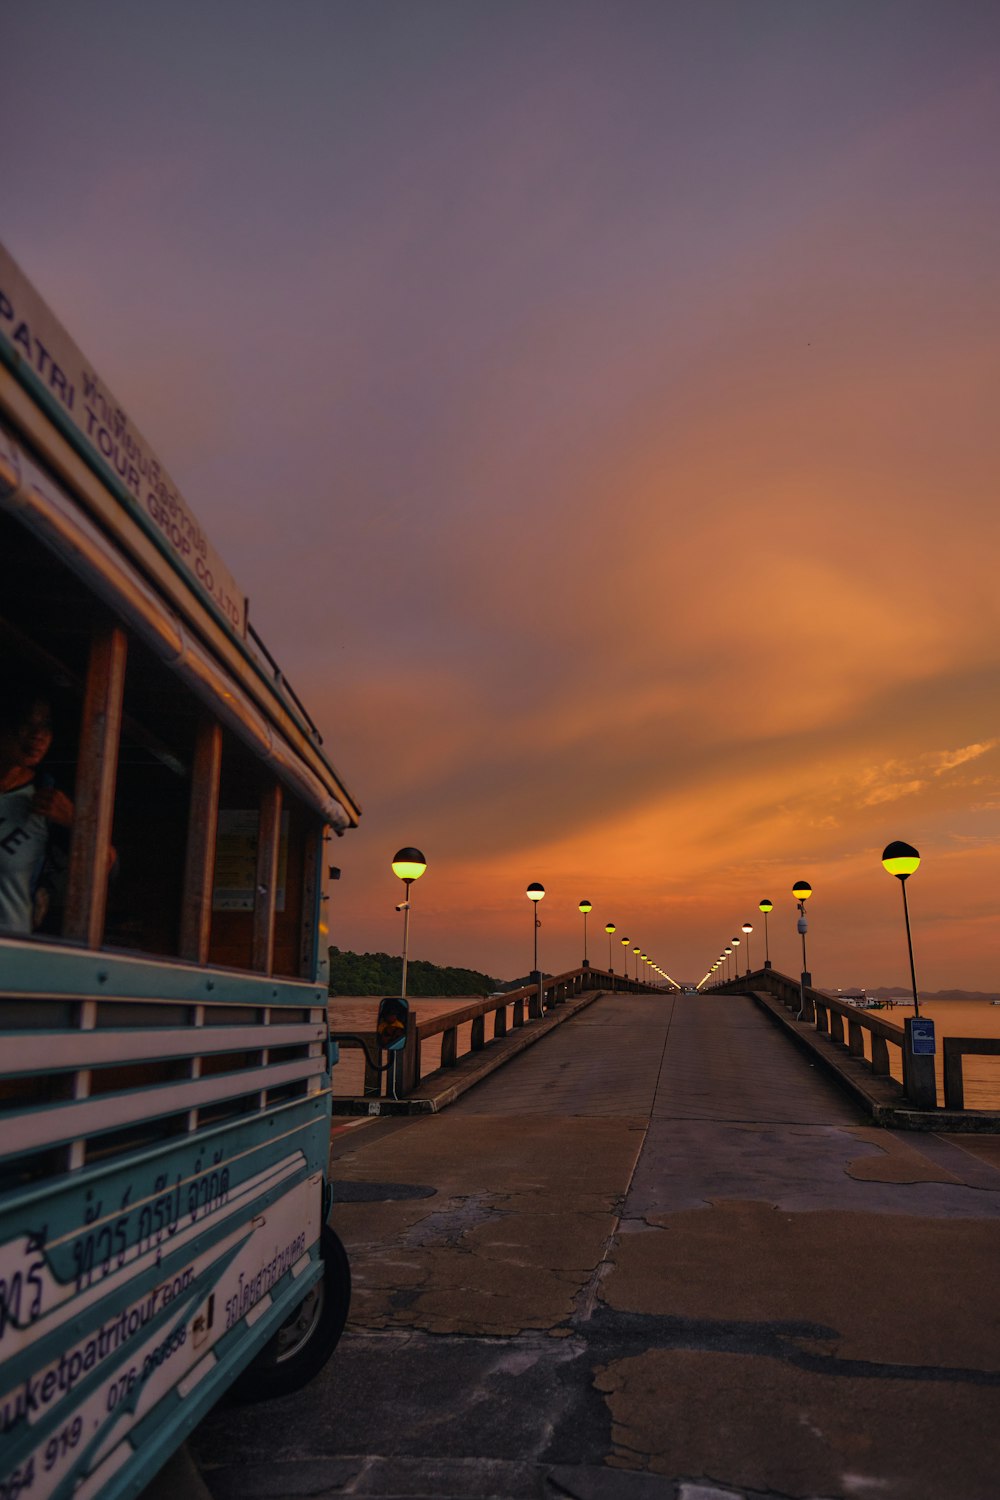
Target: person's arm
<point>54,805</point>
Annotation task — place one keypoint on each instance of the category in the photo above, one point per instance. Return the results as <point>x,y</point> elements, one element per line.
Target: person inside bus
<point>35,816</point>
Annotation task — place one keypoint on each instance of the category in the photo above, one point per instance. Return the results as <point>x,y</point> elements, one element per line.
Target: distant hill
<point>897,992</point>
<point>381,974</point>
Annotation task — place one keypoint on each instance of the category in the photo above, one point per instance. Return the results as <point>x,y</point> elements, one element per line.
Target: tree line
<point>381,974</point>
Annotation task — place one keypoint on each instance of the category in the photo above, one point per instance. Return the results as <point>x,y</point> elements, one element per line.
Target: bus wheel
<point>308,1336</point>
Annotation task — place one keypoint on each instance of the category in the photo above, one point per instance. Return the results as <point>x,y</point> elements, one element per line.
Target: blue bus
<point>165,1055</point>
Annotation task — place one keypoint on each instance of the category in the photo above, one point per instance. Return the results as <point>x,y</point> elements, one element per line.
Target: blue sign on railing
<point>922,1037</point>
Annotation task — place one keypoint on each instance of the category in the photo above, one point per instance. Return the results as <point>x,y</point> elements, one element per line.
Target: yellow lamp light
<point>409,864</point>
<point>900,859</point>
<point>802,890</point>
<point>766,905</point>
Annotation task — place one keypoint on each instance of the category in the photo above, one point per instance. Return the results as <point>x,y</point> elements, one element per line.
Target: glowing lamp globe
<point>900,859</point>
<point>408,864</point>
<point>535,891</point>
<point>802,890</point>
<point>766,905</point>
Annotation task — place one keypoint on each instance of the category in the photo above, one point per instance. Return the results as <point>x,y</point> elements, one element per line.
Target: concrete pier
<point>657,1255</point>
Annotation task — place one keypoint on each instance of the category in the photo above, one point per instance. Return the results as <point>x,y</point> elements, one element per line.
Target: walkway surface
<point>657,1255</point>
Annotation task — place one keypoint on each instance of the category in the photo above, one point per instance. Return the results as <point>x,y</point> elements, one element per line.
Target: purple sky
<point>597,403</point>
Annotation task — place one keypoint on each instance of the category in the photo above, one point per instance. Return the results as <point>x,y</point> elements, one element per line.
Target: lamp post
<point>408,864</point>
<point>765,906</point>
<point>727,952</point>
<point>609,929</point>
<point>535,893</point>
<point>902,860</point>
<point>747,928</point>
<point>637,951</point>
<point>585,906</point>
<point>625,943</point>
<point>802,890</point>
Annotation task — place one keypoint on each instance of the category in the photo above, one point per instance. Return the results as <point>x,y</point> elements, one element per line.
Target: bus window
<point>292,924</point>
<point>242,788</point>
<point>46,622</point>
<point>152,797</point>
<point>254,811</point>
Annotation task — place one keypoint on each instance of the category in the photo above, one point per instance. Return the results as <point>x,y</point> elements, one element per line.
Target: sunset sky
<point>598,404</point>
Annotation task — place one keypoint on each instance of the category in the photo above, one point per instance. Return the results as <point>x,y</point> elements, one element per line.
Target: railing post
<point>449,1047</point>
<point>954,1081</point>
<point>880,1055</point>
<point>500,1021</point>
<point>855,1037</point>
<point>478,1041</point>
<point>517,1014</point>
<point>408,1061</point>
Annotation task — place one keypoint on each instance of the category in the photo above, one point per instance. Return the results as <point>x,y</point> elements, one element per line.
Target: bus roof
<point>147,514</point>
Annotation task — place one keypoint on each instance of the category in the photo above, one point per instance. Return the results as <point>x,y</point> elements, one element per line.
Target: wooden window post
<point>89,860</point>
<point>203,822</point>
<point>265,895</point>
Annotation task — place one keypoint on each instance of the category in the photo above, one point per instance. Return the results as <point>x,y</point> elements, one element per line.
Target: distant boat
<point>861,1000</point>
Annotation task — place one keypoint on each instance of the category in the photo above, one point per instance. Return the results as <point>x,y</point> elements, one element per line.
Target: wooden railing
<point>510,1011</point>
<point>826,1014</point>
<point>955,1048</point>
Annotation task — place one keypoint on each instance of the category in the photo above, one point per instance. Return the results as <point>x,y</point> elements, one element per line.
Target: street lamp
<point>765,906</point>
<point>902,860</point>
<point>736,958</point>
<point>535,893</point>
<point>637,951</point>
<point>585,906</point>
<point>747,928</point>
<point>408,865</point>
<point>609,929</point>
<point>802,890</point>
<point>727,952</point>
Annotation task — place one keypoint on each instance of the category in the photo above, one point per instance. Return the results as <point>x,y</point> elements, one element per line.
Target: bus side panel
<point>129,1293</point>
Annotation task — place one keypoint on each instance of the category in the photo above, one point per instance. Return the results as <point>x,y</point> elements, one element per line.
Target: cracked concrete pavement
<point>657,1255</point>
